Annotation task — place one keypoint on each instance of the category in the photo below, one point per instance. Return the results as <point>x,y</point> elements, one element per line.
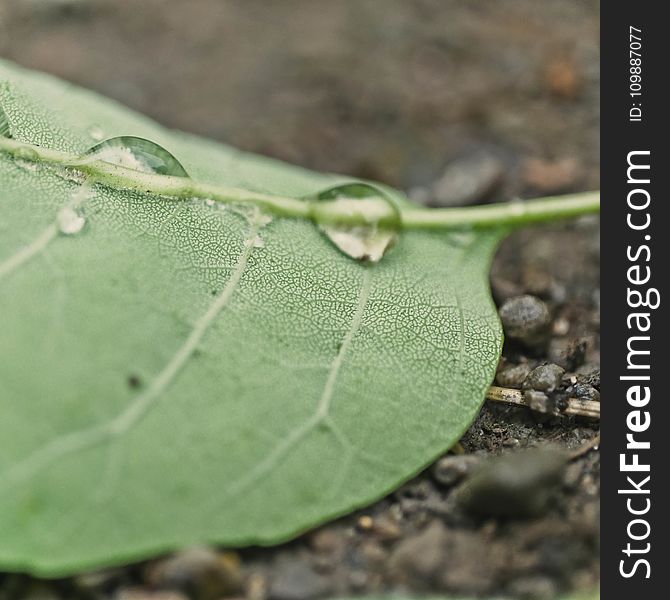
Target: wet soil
<point>457,103</point>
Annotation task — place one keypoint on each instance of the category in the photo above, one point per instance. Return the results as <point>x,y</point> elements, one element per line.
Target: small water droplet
<point>138,154</point>
<point>70,221</point>
<point>25,153</point>
<point>370,240</point>
<point>461,239</point>
<point>518,206</point>
<point>96,133</point>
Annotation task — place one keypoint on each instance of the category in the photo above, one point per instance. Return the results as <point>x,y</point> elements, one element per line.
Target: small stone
<point>545,378</point>
<point>386,529</point>
<point>365,522</point>
<point>504,289</point>
<point>256,587</point>
<point>583,391</point>
<point>561,327</point>
<point>358,580</point>
<point>373,552</point>
<point>93,581</point>
<point>538,401</point>
<point>326,541</point>
<point>199,572</point>
<point>568,353</point>
<point>419,557</point>
<point>519,484</point>
<point>549,176</point>
<point>296,580</point>
<point>512,376</point>
<point>592,378</point>
<point>468,180</point>
<point>526,319</point>
<point>562,77</point>
<point>449,470</point>
<point>536,587</point>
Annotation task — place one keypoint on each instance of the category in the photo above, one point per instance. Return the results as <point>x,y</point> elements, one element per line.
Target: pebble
<point>449,470</point>
<point>591,378</point>
<point>548,176</point>
<point>420,555</point>
<point>94,581</point>
<point>326,541</point>
<point>537,587</point>
<point>296,580</point>
<point>568,353</point>
<point>538,401</point>
<point>526,319</point>
<point>545,378</point>
<point>562,77</point>
<point>468,180</point>
<point>513,376</point>
<point>519,484</point>
<point>199,572</point>
<point>584,391</point>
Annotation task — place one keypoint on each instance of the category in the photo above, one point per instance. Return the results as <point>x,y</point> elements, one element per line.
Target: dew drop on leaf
<point>461,239</point>
<point>70,220</point>
<point>136,153</point>
<point>370,240</point>
<point>96,132</point>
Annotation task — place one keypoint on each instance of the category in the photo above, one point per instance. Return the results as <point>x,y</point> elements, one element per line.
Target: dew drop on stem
<point>136,153</point>
<point>371,239</point>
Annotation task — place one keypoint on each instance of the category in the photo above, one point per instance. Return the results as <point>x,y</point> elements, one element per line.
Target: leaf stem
<point>515,213</point>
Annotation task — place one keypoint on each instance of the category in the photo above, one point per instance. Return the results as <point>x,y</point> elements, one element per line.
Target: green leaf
<point>176,370</point>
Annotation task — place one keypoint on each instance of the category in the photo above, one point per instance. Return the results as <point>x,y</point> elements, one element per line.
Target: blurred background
<point>393,90</point>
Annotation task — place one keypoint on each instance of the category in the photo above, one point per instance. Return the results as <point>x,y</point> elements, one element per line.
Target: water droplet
<point>461,239</point>
<point>96,133</point>
<point>138,154</point>
<point>371,239</point>
<point>26,153</point>
<point>264,220</point>
<point>518,206</point>
<point>70,221</point>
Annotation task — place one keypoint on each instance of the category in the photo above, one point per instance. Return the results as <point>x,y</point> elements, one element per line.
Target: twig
<point>575,406</point>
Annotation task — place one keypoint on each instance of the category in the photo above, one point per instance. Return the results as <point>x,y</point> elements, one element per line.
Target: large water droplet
<point>136,153</point>
<point>70,220</point>
<point>375,235</point>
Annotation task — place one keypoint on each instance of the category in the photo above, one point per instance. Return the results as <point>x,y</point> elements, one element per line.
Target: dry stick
<point>575,406</point>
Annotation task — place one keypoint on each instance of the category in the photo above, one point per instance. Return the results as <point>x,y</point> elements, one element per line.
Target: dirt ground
<point>456,103</point>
